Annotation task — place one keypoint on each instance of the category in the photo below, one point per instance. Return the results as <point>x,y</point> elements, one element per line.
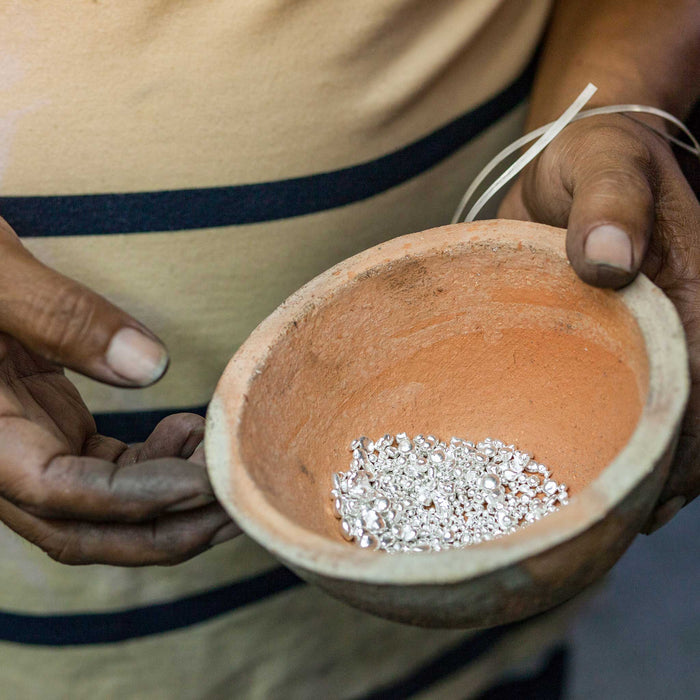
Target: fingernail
<point>667,512</point>
<point>227,532</point>
<point>136,357</point>
<point>609,245</point>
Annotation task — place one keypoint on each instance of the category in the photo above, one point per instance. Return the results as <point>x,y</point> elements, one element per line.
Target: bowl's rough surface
<point>471,330</point>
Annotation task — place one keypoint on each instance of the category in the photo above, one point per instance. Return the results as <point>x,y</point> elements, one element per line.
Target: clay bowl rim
<point>299,547</point>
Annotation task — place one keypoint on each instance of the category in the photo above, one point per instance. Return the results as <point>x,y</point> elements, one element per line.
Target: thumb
<point>69,324</point>
<point>612,215</point>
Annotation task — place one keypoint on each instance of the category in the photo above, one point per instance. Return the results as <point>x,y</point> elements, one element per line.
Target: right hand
<point>617,187</point>
<point>82,497</point>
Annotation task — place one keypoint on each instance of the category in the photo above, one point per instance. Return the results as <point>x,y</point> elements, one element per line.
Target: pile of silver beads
<point>403,495</point>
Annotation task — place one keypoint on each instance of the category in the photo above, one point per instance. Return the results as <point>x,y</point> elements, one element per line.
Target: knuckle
<point>44,492</point>
<point>614,140</point>
<point>162,540</point>
<point>616,188</point>
<point>618,175</point>
<point>31,493</point>
<point>66,323</point>
<point>618,138</point>
<point>182,423</point>
<point>169,546</point>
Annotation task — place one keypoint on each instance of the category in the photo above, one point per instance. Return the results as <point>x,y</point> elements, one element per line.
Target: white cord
<point>545,134</point>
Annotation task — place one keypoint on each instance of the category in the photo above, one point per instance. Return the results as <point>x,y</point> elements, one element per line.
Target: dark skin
<point>80,496</point>
<point>630,178</point>
<point>86,498</point>
<point>613,173</point>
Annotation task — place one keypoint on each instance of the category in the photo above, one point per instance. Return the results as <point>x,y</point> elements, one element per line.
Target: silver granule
<point>403,495</point>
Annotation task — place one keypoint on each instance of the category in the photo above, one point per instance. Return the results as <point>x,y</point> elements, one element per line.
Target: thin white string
<point>546,134</point>
<point>551,130</point>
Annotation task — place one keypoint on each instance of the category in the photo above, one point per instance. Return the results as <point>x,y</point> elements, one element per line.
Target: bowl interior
<point>479,338</point>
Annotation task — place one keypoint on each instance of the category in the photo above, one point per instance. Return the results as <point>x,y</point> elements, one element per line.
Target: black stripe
<point>549,683</point>
<point>177,210</point>
<point>136,426</point>
<point>107,628</point>
<point>440,667</point>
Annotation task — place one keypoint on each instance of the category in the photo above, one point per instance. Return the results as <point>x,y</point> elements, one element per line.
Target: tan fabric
<point>270,651</point>
<point>138,95</point>
<point>141,95</point>
<point>203,291</point>
<point>129,95</point>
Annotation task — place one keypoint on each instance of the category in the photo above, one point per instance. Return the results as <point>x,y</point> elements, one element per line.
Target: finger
<point>684,479</point>
<point>104,447</point>
<point>683,483</point>
<point>176,435</point>
<point>674,264</point>
<point>71,325</point>
<point>663,514</point>
<point>612,210</point>
<point>181,435</point>
<point>37,475</point>
<point>169,539</point>
<point>605,241</point>
<point>597,180</point>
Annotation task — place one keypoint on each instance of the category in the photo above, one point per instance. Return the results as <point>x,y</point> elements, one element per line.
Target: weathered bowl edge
<point>307,551</point>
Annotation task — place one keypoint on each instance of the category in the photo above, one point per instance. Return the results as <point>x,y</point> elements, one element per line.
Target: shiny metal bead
<point>368,541</point>
<point>346,530</point>
<point>427,495</point>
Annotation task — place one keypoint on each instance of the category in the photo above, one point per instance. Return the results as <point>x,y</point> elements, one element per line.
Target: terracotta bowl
<point>471,330</point>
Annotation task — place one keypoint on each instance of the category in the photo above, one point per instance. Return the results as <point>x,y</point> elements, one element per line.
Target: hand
<point>617,188</point>
<point>82,497</point>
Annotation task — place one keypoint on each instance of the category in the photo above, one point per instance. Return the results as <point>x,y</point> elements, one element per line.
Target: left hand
<point>618,189</point>
<point>85,498</point>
